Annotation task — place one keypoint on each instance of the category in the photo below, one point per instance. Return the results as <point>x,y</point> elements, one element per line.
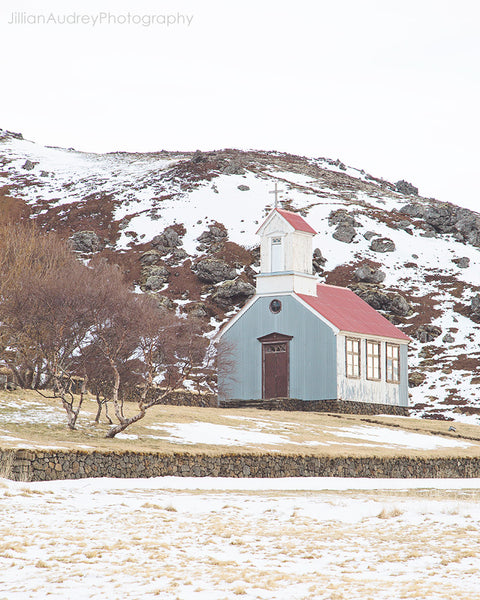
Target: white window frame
<point>374,360</point>
<point>392,363</point>
<point>277,254</point>
<point>353,358</point>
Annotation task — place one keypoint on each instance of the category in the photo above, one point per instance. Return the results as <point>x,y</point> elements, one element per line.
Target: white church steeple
<point>286,254</point>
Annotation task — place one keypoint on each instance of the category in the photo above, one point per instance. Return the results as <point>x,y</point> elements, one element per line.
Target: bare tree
<point>160,348</point>
<point>60,319</point>
<point>45,312</point>
<point>50,319</point>
<point>92,365</point>
<point>28,258</point>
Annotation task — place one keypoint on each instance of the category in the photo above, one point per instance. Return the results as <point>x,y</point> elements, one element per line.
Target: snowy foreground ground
<point>210,539</point>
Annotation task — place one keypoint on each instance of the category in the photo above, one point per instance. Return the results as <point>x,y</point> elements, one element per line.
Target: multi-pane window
<point>353,357</point>
<point>393,363</point>
<point>373,360</point>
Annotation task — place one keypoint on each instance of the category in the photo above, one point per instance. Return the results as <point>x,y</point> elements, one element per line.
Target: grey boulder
<point>213,270</point>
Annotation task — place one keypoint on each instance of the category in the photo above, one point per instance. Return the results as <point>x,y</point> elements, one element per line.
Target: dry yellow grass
<point>44,425</point>
<point>389,513</point>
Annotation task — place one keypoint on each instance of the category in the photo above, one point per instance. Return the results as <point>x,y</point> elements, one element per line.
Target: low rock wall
<point>339,406</point>
<point>187,398</point>
<point>42,465</point>
<point>332,406</point>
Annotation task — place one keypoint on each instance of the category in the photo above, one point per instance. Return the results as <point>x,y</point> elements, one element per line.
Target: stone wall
<point>186,398</point>
<point>331,406</point>
<point>42,465</point>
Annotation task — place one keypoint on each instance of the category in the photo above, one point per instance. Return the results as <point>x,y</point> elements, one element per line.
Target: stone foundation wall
<point>331,406</point>
<point>338,406</point>
<point>38,465</point>
<point>186,398</point>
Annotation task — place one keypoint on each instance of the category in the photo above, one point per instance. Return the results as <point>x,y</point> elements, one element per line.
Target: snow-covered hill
<point>431,263</point>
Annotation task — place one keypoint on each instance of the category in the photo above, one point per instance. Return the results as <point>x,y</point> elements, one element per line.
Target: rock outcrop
<point>163,302</point>
<point>404,187</point>
<point>346,223</point>
<point>382,244</point>
<point>86,242</point>
<point>167,241</point>
<point>231,292</point>
<point>366,274</point>
<point>390,302</point>
<point>234,167</point>
<point>155,277</point>
<point>318,261</point>
<point>29,165</point>
<point>213,238</point>
<point>196,309</point>
<point>475,308</point>
<point>151,257</point>
<point>416,378</point>
<point>213,270</point>
<point>462,263</point>
<point>344,233</point>
<point>446,218</point>
<point>428,333</point>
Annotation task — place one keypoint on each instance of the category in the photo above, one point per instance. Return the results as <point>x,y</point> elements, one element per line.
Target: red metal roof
<point>296,221</point>
<point>344,309</point>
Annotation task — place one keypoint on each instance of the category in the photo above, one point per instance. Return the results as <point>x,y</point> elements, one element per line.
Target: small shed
<point>298,338</point>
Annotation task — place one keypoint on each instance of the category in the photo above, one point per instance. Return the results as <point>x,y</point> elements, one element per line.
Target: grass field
<point>139,539</point>
<point>28,420</point>
<point>218,539</point>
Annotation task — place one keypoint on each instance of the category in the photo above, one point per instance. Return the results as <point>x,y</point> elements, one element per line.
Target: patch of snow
<point>210,539</point>
<point>109,484</point>
<point>406,439</point>
<point>32,412</point>
<point>126,436</point>
<point>211,433</point>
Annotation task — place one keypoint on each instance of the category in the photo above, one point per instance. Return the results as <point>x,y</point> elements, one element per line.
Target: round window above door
<point>275,306</point>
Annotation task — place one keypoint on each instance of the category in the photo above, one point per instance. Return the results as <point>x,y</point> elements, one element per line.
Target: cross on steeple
<point>276,191</point>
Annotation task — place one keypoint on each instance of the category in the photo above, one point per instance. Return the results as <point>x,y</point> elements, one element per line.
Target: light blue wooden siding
<point>312,351</point>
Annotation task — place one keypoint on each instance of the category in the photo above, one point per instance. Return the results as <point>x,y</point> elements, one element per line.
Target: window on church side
<point>393,363</point>
<point>352,347</point>
<point>373,360</point>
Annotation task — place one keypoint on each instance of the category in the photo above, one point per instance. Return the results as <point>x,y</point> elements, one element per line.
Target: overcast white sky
<point>390,86</point>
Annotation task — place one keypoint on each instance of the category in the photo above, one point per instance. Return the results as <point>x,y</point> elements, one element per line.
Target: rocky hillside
<point>182,226</point>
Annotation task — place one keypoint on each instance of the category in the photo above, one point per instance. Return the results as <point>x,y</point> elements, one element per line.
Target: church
<point>300,339</point>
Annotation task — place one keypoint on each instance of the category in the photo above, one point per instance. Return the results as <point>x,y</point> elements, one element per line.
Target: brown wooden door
<point>275,365</point>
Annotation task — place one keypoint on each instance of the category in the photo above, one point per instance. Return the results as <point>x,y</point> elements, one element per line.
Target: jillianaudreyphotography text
<point>101,19</point>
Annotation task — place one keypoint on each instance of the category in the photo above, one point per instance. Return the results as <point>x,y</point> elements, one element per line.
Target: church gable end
<point>301,339</point>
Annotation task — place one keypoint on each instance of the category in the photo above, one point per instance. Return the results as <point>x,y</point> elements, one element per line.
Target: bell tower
<point>286,254</point>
